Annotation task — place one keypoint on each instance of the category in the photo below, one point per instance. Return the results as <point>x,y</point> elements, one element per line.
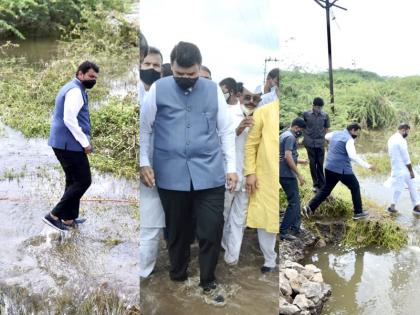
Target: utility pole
<point>266,60</point>
<point>326,4</point>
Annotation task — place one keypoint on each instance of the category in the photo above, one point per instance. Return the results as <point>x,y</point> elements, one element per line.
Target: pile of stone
<point>302,289</point>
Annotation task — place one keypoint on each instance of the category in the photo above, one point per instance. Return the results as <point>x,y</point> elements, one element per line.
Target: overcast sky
<point>234,36</point>
<point>375,35</point>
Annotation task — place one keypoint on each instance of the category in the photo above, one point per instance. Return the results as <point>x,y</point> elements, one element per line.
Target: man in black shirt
<point>317,124</point>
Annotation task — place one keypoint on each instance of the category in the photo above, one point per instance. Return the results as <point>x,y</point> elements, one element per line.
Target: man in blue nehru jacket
<point>193,137</point>
<point>70,140</point>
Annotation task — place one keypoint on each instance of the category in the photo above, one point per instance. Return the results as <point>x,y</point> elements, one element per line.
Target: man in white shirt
<point>271,87</point>
<point>402,174</point>
<point>228,86</point>
<point>236,203</point>
<point>152,217</point>
<point>338,168</point>
<point>70,138</point>
<point>188,117</point>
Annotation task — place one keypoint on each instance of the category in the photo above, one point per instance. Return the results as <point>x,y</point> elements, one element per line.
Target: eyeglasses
<point>254,98</point>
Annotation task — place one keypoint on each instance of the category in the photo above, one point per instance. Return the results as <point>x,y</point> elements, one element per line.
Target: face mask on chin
<point>185,83</point>
<point>354,136</point>
<point>405,135</point>
<point>247,111</point>
<point>227,95</point>
<point>298,133</point>
<point>149,76</point>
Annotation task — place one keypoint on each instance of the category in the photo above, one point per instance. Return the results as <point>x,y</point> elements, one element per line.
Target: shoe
<point>288,237</point>
<point>209,287</point>
<point>416,210</point>
<point>306,211</point>
<point>391,210</point>
<point>296,233</point>
<point>315,189</point>
<point>56,224</point>
<point>265,269</point>
<point>75,223</point>
<point>361,215</point>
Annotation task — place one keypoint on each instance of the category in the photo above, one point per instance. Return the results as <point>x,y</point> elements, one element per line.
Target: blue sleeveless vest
<point>186,144</point>
<point>338,160</point>
<point>60,135</point>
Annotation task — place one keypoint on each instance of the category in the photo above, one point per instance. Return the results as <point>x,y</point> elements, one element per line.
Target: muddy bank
<point>90,270</point>
<point>302,288</point>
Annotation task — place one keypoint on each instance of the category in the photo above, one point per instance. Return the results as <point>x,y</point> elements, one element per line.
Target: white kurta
<point>400,176</point>
<point>236,203</point>
<point>152,219</point>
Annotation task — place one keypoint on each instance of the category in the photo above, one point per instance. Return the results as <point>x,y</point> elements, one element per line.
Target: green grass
<point>27,96</point>
<point>379,229</point>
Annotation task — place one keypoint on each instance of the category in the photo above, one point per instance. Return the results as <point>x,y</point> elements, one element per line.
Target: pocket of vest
<point>210,124</point>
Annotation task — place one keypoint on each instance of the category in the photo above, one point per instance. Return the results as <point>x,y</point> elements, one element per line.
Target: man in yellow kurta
<point>262,180</point>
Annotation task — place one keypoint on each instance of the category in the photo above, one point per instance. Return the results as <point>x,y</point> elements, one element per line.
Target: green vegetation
<point>27,96</point>
<point>38,18</point>
<point>379,229</point>
<point>375,102</point>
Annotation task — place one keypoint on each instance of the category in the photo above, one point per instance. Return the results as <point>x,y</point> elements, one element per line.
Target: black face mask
<point>354,136</point>
<point>298,134</point>
<point>88,84</point>
<point>405,135</point>
<point>149,76</point>
<point>185,83</point>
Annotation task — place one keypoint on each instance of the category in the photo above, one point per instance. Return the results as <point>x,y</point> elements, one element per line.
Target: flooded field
<point>373,281</point>
<point>81,271</point>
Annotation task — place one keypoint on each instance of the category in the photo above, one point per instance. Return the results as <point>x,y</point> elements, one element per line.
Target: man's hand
<point>246,122</point>
<point>303,162</point>
<point>232,180</point>
<point>147,176</point>
<point>88,149</point>
<point>301,180</point>
<point>251,184</point>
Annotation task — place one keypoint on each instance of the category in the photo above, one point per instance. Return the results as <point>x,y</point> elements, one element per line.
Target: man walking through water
<point>70,140</point>
<point>402,174</point>
<point>187,114</point>
<point>338,168</point>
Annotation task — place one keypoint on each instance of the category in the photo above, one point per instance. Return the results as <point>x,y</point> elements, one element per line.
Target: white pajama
<point>267,242</point>
<point>235,219</point>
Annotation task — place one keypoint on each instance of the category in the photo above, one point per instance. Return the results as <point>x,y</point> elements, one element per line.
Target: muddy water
<point>42,270</point>
<point>374,281</point>
<point>246,289</point>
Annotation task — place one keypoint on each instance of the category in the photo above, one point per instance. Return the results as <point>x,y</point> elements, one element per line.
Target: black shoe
<point>265,269</point>
<point>296,233</point>
<point>209,287</point>
<point>391,210</point>
<point>315,189</point>
<point>75,223</point>
<point>288,237</point>
<point>306,211</point>
<point>361,215</point>
<point>56,224</point>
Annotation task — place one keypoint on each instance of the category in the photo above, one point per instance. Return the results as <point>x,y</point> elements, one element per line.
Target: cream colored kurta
<point>262,159</point>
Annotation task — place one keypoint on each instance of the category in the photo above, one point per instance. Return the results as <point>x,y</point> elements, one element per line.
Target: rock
<point>321,243</point>
<point>301,301</point>
<point>285,287</point>
<point>290,274</point>
<point>313,268</point>
<point>312,290</point>
<point>317,277</point>
<point>289,309</point>
<point>293,265</point>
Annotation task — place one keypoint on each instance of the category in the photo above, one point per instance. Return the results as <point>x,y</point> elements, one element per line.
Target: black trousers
<point>187,213</point>
<point>331,180</point>
<point>316,165</point>
<point>78,179</point>
<point>291,219</point>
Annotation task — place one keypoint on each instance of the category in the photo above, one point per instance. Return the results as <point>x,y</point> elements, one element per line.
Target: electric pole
<point>266,60</point>
<point>326,4</point>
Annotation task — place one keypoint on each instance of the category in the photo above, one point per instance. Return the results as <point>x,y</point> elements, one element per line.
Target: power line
<point>327,5</point>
